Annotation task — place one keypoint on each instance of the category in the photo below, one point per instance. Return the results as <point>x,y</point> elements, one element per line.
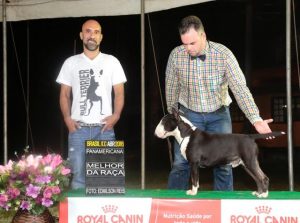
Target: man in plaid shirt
<point>198,75</point>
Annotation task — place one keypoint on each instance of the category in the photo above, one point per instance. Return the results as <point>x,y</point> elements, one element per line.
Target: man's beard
<point>91,45</point>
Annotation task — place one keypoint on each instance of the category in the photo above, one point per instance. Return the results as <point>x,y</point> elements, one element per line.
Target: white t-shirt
<point>91,82</point>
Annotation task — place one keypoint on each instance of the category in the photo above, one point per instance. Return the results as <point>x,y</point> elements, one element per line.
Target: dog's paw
<point>191,192</point>
<point>261,195</point>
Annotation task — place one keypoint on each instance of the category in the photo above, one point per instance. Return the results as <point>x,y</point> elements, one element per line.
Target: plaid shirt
<point>202,86</point>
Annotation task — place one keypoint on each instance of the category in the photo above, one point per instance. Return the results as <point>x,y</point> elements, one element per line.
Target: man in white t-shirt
<point>87,81</point>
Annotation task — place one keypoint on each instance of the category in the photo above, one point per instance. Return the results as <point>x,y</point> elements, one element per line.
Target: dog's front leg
<point>194,179</point>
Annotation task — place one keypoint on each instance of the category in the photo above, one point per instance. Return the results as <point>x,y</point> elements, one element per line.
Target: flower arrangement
<point>33,183</point>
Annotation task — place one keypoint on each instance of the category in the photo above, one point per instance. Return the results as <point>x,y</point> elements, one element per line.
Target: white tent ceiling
<point>18,10</point>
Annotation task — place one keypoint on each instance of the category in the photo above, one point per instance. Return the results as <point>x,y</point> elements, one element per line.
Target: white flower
<point>48,169</point>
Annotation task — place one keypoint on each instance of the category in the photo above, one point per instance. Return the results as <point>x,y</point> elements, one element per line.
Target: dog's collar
<point>181,142</point>
<point>193,127</point>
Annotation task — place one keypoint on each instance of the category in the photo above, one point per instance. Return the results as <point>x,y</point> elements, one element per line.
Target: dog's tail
<point>268,135</point>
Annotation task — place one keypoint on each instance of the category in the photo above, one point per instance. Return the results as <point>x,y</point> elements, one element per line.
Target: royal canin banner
<point>148,210</point>
<point>260,211</point>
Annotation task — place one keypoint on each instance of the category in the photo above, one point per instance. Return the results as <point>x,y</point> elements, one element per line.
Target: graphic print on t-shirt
<point>91,93</point>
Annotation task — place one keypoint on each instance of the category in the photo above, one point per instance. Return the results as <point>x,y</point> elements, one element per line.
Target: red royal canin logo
<point>264,215</point>
<point>109,209</point>
<point>263,210</point>
<point>109,215</point>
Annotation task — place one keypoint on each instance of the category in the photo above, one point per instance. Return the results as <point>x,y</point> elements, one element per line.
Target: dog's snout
<point>156,132</point>
<point>159,131</point>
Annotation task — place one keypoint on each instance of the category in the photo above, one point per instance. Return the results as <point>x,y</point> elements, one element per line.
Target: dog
<point>202,149</point>
<point>93,94</point>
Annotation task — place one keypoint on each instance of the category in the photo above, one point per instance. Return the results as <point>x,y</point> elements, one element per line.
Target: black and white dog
<point>202,149</point>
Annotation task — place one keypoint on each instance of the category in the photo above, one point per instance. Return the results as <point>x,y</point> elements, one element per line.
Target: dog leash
<point>160,89</point>
<point>181,142</point>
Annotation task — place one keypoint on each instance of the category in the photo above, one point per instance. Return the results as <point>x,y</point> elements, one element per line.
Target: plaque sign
<point>104,167</point>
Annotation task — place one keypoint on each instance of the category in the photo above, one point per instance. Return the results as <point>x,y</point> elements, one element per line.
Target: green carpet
<point>179,194</point>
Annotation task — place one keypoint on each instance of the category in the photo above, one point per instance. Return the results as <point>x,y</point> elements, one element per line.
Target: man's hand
<point>262,127</point>
<point>110,122</point>
<point>71,124</point>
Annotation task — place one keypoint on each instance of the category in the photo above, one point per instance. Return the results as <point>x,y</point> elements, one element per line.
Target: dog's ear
<point>176,114</point>
<point>174,110</point>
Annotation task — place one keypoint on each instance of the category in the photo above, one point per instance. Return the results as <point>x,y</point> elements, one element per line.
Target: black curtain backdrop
<point>51,41</point>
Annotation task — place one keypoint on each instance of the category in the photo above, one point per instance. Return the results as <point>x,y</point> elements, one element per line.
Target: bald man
<point>87,81</point>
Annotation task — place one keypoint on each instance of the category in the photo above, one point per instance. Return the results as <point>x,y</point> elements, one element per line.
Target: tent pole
<point>27,90</point>
<point>143,94</point>
<point>289,94</point>
<point>4,81</point>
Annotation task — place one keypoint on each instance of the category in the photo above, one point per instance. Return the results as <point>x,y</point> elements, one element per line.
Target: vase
<point>23,216</point>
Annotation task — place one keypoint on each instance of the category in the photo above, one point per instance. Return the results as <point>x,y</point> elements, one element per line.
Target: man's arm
<point>65,107</point>
<point>119,98</point>
<point>243,96</point>
<point>171,84</point>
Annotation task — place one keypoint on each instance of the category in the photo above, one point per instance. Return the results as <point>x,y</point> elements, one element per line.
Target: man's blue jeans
<point>76,154</point>
<point>213,122</point>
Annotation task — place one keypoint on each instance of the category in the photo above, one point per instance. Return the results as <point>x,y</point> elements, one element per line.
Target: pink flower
<point>25,205</point>
<point>13,192</point>
<point>3,200</point>
<point>51,162</point>
<point>57,160</point>
<point>56,190</point>
<point>8,167</point>
<point>32,191</point>
<point>33,161</point>
<point>43,179</point>
<point>38,200</point>
<point>2,169</point>
<point>47,202</point>
<point>22,165</point>
<point>47,159</point>
<point>47,192</point>
<point>65,171</point>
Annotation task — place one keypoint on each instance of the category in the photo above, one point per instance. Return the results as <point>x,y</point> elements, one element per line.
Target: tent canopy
<point>18,10</point>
